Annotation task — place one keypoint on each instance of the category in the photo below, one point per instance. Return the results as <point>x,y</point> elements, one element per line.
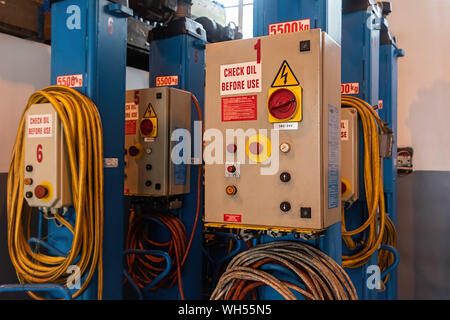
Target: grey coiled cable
<point>322,277</point>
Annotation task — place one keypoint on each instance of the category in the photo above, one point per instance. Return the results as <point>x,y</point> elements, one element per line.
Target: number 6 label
<point>39,154</point>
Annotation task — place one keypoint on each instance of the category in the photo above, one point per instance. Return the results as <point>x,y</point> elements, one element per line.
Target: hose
<point>83,136</point>
<point>321,278</point>
<point>145,268</point>
<point>380,228</point>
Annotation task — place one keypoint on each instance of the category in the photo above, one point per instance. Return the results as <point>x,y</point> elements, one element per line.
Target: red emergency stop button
<point>133,151</point>
<point>146,127</point>
<point>40,192</point>
<point>343,188</point>
<point>282,104</point>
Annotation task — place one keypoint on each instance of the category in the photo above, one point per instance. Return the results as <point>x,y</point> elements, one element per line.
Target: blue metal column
<point>184,56</point>
<point>324,14</point>
<point>360,64</point>
<point>88,38</point>
<point>389,54</point>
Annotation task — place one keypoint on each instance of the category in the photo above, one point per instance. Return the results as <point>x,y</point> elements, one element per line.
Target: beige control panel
<point>47,176</point>
<point>281,96</point>
<point>151,118</point>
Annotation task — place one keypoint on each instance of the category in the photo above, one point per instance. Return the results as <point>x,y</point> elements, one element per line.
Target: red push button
<point>255,148</point>
<point>133,151</point>
<point>231,169</point>
<point>40,192</point>
<point>343,188</point>
<point>231,148</point>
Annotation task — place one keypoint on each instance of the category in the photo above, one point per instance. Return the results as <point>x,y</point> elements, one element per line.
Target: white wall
<point>422,28</point>
<point>25,68</point>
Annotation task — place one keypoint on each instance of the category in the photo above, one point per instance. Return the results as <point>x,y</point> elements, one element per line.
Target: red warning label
<point>232,218</point>
<point>130,127</point>
<point>239,108</point>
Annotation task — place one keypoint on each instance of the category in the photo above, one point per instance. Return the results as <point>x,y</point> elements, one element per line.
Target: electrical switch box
<point>276,102</point>
<point>349,154</point>
<point>46,168</point>
<point>151,117</point>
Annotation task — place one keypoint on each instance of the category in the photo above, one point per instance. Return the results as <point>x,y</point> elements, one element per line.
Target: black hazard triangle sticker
<point>149,112</point>
<point>285,77</point>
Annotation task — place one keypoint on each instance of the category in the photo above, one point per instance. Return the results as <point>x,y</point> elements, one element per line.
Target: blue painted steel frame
<point>184,56</point>
<point>389,54</point>
<point>360,63</point>
<point>324,14</point>
<point>96,48</point>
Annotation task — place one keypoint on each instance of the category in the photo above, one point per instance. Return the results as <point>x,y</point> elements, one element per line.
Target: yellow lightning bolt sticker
<point>285,77</point>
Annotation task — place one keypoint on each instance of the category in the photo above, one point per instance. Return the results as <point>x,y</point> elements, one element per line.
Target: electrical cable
<point>381,229</point>
<point>386,258</point>
<point>83,136</point>
<point>321,278</point>
<point>143,269</point>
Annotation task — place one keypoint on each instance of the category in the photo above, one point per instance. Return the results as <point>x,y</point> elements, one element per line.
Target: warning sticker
<point>71,81</point>
<point>166,81</point>
<point>240,78</point>
<point>232,218</point>
<point>290,26</point>
<point>131,117</point>
<point>350,88</point>
<point>149,112</point>
<point>285,77</point>
<point>131,111</point>
<point>344,130</point>
<point>239,108</point>
<point>39,126</point>
<point>130,127</point>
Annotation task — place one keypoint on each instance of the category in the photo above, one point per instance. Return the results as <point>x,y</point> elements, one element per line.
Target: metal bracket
<point>119,10</point>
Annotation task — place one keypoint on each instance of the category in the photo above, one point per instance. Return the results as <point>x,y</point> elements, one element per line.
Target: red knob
<point>40,192</point>
<point>282,104</point>
<point>146,127</point>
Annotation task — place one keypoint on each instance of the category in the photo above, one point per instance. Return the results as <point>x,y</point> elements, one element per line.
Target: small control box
<point>47,176</point>
<point>349,154</point>
<point>151,118</point>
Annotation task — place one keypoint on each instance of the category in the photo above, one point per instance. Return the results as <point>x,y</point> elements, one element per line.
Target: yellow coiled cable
<point>373,182</point>
<point>84,139</point>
